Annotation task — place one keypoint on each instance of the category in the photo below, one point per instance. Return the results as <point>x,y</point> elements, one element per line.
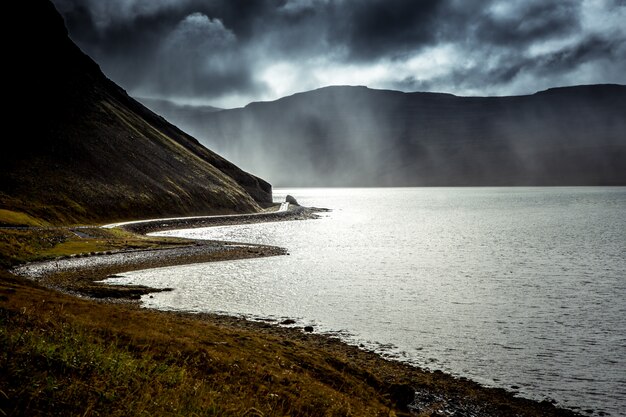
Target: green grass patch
<point>19,246</point>
<point>74,246</point>
<point>15,218</point>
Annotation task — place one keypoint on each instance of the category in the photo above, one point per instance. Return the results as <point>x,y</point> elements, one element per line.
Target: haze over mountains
<point>183,113</point>
<point>82,150</point>
<point>88,151</point>
<point>356,136</point>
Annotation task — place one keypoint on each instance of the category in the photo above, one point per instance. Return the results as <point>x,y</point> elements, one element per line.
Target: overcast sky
<point>230,52</point>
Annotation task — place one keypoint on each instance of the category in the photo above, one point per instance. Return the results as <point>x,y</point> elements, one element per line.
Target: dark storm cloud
<point>230,52</point>
<point>528,22</point>
<point>549,66</point>
<point>589,50</point>
<point>379,28</point>
<point>162,48</point>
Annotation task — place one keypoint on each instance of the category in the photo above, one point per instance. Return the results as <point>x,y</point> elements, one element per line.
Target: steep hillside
<point>355,136</point>
<point>89,152</point>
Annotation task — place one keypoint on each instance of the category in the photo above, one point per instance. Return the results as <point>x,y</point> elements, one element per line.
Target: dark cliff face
<point>81,149</point>
<point>355,136</point>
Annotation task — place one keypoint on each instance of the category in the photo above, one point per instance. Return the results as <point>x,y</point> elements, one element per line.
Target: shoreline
<point>153,225</point>
<point>419,392</point>
<point>68,272</point>
<point>83,275</point>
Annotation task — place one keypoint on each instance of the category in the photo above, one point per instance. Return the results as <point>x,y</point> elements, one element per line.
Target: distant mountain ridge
<point>178,114</point>
<point>356,136</point>
<point>91,152</point>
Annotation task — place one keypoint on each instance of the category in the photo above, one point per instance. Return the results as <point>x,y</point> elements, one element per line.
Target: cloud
<point>106,14</point>
<point>230,52</point>
<point>522,22</point>
<point>197,57</point>
<point>389,28</point>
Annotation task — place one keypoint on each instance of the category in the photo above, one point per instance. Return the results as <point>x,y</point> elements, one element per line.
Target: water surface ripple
<point>522,288</point>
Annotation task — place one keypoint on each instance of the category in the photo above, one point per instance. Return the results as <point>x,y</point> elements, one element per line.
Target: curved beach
<point>404,388</point>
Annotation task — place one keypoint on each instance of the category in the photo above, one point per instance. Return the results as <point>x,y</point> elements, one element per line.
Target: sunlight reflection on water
<point>506,286</point>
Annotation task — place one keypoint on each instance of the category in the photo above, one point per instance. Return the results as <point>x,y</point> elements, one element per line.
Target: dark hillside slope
<point>89,152</point>
<point>356,136</point>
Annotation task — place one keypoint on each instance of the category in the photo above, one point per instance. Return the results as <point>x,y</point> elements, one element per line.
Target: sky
<point>227,53</point>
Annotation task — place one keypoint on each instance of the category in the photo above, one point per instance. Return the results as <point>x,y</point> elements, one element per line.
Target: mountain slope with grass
<point>90,153</point>
<point>357,136</point>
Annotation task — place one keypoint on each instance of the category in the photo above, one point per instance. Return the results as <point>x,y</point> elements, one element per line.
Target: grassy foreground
<point>62,355</point>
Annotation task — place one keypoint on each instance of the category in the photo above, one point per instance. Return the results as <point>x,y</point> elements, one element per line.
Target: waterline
<point>509,287</point>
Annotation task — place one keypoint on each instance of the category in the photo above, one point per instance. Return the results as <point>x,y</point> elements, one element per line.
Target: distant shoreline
<point>156,225</point>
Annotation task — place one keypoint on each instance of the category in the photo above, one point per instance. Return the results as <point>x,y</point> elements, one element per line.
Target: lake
<point>521,288</point>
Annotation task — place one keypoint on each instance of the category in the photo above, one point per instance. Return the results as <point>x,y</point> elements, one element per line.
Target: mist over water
<point>511,287</point>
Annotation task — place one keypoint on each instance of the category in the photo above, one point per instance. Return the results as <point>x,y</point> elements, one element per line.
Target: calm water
<point>522,288</point>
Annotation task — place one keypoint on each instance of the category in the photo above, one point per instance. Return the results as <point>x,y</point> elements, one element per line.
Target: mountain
<point>179,114</point>
<point>356,136</point>
<point>78,148</point>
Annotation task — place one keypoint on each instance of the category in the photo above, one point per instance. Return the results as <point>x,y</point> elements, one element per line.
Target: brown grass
<point>60,355</point>
<point>66,356</point>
